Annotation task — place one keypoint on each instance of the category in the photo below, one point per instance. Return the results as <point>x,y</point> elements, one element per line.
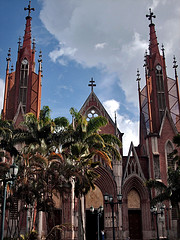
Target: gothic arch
<point>169,147</point>
<point>97,111</point>
<point>106,182</point>
<point>136,183</point>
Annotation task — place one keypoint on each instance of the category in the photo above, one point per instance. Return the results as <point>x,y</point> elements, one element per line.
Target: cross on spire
<point>92,84</point>
<point>29,9</point>
<point>150,16</point>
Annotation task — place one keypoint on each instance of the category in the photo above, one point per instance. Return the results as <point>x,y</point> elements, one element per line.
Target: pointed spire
<point>92,84</point>
<point>153,45</point>
<point>27,35</point>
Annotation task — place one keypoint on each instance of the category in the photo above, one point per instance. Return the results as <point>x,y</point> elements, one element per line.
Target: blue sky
<point>80,39</point>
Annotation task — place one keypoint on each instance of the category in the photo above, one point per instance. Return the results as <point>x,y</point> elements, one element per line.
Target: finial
<point>150,16</point>
<point>9,55</point>
<point>92,84</point>
<point>34,44</point>
<point>40,61</point>
<point>138,79</point>
<point>175,66</point>
<point>145,59</point>
<point>19,42</point>
<point>40,56</point>
<point>12,68</point>
<point>162,48</point>
<point>115,124</point>
<point>115,116</point>
<point>29,9</point>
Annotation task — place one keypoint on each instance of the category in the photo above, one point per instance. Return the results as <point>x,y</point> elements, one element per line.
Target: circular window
<point>91,114</point>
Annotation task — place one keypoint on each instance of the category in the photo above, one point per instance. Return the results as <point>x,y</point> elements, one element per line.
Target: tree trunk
<point>81,230</point>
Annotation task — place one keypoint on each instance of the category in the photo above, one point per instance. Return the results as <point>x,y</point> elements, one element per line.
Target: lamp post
<point>108,199</point>
<point>154,210</point>
<point>99,214</point>
<point>11,177</point>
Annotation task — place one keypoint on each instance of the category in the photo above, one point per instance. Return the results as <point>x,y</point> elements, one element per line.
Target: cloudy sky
<point>103,39</point>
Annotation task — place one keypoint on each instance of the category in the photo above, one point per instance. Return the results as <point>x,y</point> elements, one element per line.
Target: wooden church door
<point>135,229</point>
<point>134,215</point>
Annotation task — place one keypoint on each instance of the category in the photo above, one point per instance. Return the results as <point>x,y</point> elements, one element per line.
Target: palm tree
<point>84,142</point>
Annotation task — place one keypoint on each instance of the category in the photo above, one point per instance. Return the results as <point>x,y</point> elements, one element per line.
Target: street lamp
<point>99,214</point>
<point>154,210</point>
<point>9,177</point>
<point>108,199</point>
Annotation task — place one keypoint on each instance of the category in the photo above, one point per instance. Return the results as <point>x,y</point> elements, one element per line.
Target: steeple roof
<point>153,43</point>
<point>27,34</point>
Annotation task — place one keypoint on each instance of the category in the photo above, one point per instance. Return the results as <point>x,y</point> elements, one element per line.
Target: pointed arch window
<point>24,74</point>
<point>169,150</point>
<point>160,91</point>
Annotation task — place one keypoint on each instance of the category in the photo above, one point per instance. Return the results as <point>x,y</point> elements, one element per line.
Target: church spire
<point>23,85</point>
<point>27,35</point>
<point>153,44</point>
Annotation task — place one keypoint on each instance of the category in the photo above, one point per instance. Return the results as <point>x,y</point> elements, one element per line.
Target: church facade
<point>159,122</point>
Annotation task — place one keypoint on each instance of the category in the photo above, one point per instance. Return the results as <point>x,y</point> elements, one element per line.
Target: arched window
<point>169,150</point>
<point>24,73</point>
<point>160,91</point>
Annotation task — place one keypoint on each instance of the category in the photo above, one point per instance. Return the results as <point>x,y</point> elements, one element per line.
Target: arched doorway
<point>134,215</point>
<point>93,220</point>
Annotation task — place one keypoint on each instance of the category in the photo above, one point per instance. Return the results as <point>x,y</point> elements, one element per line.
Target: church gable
<point>93,108</point>
<point>167,125</point>
<point>19,116</point>
<point>133,166</point>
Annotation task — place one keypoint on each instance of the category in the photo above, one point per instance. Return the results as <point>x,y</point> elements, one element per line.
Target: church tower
<point>23,86</point>
<point>159,108</point>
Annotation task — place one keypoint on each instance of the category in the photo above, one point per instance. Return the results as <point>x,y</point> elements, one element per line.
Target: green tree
<point>86,141</point>
<point>171,191</point>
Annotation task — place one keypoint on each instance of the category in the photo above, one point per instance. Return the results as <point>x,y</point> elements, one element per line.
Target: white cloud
<point>129,128</point>
<point>1,93</point>
<point>62,51</point>
<point>120,34</point>
<point>100,45</point>
<point>113,37</point>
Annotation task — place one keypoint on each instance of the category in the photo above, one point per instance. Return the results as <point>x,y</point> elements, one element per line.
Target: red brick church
<point>159,121</point>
